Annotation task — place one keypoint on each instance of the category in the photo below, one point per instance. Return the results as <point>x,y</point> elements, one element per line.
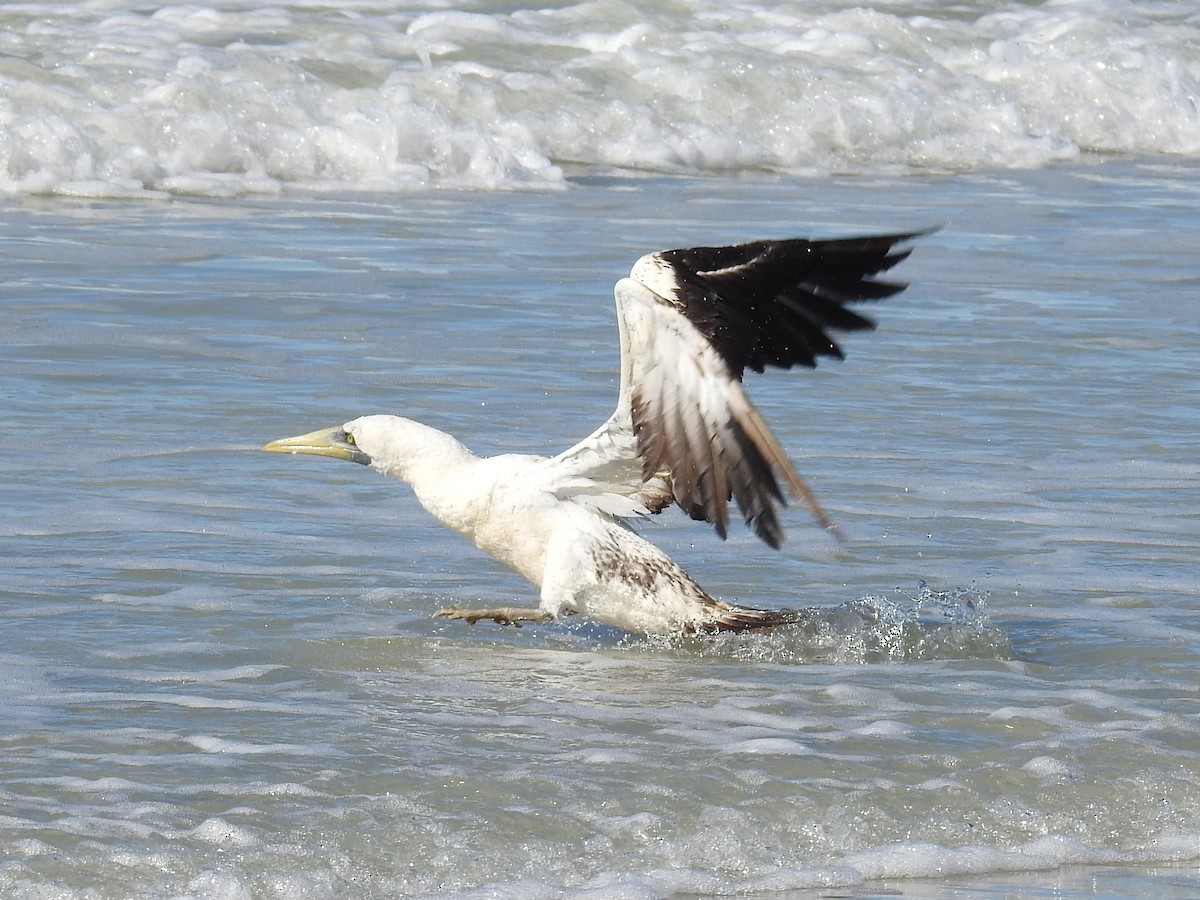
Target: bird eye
<point>348,438</point>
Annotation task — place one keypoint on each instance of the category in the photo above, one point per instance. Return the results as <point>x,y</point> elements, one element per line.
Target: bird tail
<point>727,617</point>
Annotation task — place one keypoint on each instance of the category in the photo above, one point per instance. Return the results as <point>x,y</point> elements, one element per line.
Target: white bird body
<point>585,560</point>
<point>683,431</point>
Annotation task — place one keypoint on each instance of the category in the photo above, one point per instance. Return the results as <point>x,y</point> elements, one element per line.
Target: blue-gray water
<point>220,676</point>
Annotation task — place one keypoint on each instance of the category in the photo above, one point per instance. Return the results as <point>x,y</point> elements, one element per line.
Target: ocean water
<point>117,99</point>
<point>219,673</point>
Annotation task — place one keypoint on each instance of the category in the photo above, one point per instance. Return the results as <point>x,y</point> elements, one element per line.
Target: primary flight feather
<point>691,322</point>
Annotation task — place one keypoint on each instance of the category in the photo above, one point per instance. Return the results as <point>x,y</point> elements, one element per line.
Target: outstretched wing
<point>773,303</point>
<point>691,322</point>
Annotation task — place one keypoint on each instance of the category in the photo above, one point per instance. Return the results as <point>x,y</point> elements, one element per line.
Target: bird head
<point>391,445</point>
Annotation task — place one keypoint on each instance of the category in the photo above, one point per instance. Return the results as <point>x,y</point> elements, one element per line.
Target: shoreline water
<point>227,223</point>
<point>222,673</point>
<point>1170,881</point>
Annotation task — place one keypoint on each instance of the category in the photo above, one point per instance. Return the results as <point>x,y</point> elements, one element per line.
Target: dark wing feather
<point>696,320</point>
<point>773,303</point>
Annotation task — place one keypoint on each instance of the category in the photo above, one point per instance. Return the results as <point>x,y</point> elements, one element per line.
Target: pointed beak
<point>331,442</point>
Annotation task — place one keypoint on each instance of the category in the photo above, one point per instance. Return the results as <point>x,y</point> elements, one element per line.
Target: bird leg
<point>504,615</point>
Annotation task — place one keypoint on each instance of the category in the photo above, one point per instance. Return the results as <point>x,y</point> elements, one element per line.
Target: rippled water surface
<point>219,669</point>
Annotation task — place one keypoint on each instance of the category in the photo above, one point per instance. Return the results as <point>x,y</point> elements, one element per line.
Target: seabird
<point>690,321</point>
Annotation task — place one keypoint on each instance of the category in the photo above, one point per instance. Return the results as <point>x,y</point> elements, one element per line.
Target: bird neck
<point>420,455</point>
<point>444,476</point>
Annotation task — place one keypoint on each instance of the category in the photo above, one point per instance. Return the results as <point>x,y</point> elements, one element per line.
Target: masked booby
<point>690,321</point>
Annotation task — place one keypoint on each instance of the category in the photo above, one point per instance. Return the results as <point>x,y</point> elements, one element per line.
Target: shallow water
<point>221,676</point>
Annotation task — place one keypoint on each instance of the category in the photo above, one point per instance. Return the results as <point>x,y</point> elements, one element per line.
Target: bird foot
<point>503,615</point>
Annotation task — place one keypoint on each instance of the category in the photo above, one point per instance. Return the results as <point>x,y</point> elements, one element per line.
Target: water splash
<point>925,625</point>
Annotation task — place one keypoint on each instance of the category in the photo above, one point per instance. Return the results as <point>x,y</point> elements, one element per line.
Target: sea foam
<point>232,99</point>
